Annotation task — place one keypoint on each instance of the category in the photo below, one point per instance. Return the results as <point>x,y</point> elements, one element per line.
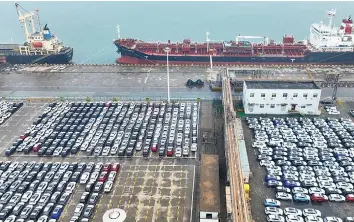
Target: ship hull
<point>64,57</point>
<point>131,56</point>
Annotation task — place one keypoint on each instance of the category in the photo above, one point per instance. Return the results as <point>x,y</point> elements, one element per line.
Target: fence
<point>106,98</point>
<point>237,97</point>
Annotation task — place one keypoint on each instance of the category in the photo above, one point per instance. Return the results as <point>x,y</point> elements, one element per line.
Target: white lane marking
<point>191,216</point>
<point>146,78</point>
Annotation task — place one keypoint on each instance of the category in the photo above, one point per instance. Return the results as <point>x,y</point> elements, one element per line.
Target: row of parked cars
<point>7,109</point>
<point>275,213</point>
<point>119,129</point>
<point>37,191</point>
<point>306,160</point>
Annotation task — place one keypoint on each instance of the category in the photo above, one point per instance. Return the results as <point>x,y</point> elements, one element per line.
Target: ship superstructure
<point>328,38</point>
<point>325,45</point>
<point>41,45</point>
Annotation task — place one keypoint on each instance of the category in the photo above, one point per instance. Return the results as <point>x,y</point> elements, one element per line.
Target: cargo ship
<point>326,45</point>
<point>41,46</point>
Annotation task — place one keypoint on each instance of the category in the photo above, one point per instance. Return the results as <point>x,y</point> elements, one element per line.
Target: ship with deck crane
<point>41,46</point>
<point>326,45</point>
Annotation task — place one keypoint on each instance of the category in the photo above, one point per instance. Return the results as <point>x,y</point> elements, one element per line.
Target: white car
<point>178,152</point>
<point>327,185</point>
<point>332,219</point>
<point>273,211</point>
<point>112,176</point>
<point>311,212</point>
<point>108,186</point>
<point>316,190</point>
<point>11,218</point>
<point>292,211</point>
<point>79,209</point>
<point>294,218</point>
<point>84,177</point>
<point>266,163</point>
<point>344,185</point>
<point>194,147</point>
<point>283,196</point>
<point>275,218</point>
<point>258,144</point>
<point>313,219</point>
<point>300,190</point>
<point>336,198</point>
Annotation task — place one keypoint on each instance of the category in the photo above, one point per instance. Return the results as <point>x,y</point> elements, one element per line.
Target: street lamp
<point>168,50</point>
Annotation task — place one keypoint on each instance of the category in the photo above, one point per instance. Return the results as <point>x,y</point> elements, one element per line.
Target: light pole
<point>168,50</point>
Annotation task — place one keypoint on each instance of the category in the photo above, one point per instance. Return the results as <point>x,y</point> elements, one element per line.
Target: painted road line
<point>124,185</point>
<point>157,204</point>
<point>191,214</point>
<point>179,193</point>
<point>66,206</point>
<point>169,202</point>
<point>150,194</point>
<point>139,204</point>
<point>114,191</point>
<point>129,187</point>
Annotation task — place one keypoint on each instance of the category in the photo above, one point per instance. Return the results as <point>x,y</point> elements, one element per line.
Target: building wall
<point>203,215</point>
<point>280,104</point>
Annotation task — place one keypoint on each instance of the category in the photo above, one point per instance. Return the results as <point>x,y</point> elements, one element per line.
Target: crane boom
<point>23,17</point>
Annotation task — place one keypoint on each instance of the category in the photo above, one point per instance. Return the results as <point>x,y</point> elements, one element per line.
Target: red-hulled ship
<point>326,45</point>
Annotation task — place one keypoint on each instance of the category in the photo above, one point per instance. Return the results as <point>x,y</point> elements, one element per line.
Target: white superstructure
<point>326,37</point>
<point>38,42</point>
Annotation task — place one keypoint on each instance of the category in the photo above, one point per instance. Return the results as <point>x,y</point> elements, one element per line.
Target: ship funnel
<point>346,26</point>
<point>46,33</point>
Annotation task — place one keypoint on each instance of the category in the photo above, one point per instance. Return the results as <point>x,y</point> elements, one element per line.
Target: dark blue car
<point>291,184</point>
<point>57,212</point>
<point>271,177</point>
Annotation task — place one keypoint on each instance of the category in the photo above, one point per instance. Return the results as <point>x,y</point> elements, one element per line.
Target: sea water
<point>90,27</point>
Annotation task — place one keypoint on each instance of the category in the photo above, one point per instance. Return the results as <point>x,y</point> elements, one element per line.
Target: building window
<point>262,94</point>
<point>283,107</point>
<point>295,95</point>
<point>274,95</point>
<point>303,107</point>
<point>272,105</point>
<point>251,94</point>
<point>285,95</point>
<point>209,216</point>
<point>315,95</point>
<point>261,105</point>
<point>305,95</point>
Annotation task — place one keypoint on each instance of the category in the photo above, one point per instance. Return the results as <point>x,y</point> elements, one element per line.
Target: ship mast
<point>23,20</point>
<point>207,40</point>
<point>331,14</point>
<point>118,31</point>
<point>39,21</point>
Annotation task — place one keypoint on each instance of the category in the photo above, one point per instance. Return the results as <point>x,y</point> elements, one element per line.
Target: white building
<point>281,97</point>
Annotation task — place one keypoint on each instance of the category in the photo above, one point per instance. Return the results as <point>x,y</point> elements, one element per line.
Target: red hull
<point>127,60</point>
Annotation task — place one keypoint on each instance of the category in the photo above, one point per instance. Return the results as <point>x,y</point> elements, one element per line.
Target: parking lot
<point>112,129</point>
<point>148,189</point>
<point>147,193</point>
<point>258,182</point>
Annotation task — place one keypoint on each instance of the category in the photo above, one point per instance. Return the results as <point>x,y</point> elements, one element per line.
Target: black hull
<point>136,57</point>
<point>64,57</point>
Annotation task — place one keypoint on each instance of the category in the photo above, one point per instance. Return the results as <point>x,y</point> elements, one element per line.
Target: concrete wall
<point>281,104</point>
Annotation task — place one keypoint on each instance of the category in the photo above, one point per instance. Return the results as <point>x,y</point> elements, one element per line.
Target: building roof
<point>281,85</point>
<point>209,183</point>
